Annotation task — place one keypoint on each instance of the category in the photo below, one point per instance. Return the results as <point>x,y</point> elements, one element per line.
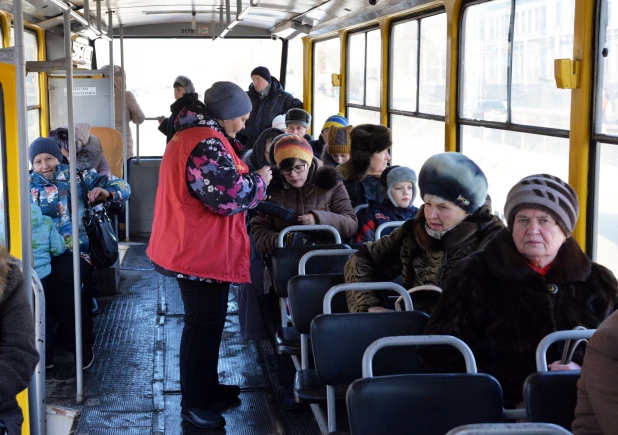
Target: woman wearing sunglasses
<point>313,192</point>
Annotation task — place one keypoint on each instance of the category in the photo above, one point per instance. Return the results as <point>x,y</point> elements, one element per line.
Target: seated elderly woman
<point>455,221</point>
<point>532,279</point>
<point>50,189</point>
<point>313,192</point>
<point>596,412</point>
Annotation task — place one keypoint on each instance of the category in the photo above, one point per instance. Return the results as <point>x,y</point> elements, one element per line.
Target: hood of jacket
<point>183,101</point>
<point>275,86</point>
<point>195,115</point>
<point>461,234</point>
<point>324,177</point>
<point>256,154</point>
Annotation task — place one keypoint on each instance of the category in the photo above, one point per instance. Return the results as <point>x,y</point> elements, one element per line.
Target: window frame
<point>365,31</point>
<point>508,124</point>
<point>312,92</point>
<point>416,113</point>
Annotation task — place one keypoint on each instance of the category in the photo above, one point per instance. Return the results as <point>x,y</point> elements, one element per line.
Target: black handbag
<point>103,243</point>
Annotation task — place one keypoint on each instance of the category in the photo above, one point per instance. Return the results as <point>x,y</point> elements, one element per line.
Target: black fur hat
<point>365,141</point>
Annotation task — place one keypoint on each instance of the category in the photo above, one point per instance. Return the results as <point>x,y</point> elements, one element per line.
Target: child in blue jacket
<point>400,183</point>
<point>46,241</point>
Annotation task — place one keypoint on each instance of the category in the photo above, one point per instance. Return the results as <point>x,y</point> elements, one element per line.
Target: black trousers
<point>60,303</point>
<point>205,306</point>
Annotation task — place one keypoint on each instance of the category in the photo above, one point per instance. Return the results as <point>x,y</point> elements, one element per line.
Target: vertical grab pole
<point>37,384</point>
<point>24,183</point>
<point>124,126</point>
<point>79,395</point>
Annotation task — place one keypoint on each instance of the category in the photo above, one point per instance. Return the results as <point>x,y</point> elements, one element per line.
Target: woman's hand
<point>557,367</point>
<point>98,194</point>
<point>378,310</point>
<point>307,219</point>
<point>266,173</point>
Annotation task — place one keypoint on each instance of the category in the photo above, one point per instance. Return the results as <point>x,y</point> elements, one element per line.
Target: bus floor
<point>134,387</point>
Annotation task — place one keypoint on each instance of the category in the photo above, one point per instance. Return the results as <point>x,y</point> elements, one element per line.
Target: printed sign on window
<point>82,91</point>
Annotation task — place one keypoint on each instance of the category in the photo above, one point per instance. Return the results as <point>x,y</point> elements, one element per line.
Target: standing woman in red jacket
<point>199,236</point>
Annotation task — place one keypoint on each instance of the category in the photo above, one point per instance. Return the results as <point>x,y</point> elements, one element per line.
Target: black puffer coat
<point>276,103</point>
<point>167,126</point>
<point>496,303</point>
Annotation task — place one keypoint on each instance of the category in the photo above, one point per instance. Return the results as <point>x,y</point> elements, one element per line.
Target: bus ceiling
<point>283,19</point>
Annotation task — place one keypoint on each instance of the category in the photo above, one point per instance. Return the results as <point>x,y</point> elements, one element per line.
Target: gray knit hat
<point>456,178</point>
<point>545,192</point>
<point>44,145</point>
<point>400,174</point>
<point>298,116</point>
<point>226,100</point>
<point>185,82</point>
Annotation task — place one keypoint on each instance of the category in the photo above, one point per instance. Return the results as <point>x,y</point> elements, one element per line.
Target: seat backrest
<point>551,397</point>
<point>111,142</point>
<point>282,264</point>
<point>339,342</point>
<point>509,428</point>
<point>306,293</point>
<point>428,404</point>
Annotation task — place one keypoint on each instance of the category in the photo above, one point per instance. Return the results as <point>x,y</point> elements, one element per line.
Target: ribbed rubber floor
<point>133,387</point>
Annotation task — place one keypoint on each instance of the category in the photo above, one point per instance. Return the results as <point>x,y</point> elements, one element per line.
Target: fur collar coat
<point>420,259</point>
<point>502,308</point>
<point>18,354</point>
<point>322,194</point>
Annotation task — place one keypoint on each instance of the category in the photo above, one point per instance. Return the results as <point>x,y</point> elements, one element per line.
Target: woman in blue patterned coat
<point>50,189</point>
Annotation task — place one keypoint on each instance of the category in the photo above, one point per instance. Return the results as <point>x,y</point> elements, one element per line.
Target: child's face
<point>402,194</point>
<point>340,158</point>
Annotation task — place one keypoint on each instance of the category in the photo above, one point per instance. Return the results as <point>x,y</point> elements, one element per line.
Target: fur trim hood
<point>324,177</point>
<point>365,141</point>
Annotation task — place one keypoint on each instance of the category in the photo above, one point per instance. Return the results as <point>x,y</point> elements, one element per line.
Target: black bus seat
<point>509,429</point>
<point>428,404</point>
<point>550,397</point>
<point>283,264</point>
<point>306,293</point>
<point>339,341</point>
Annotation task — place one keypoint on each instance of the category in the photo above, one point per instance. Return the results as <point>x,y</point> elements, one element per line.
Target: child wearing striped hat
<point>319,145</point>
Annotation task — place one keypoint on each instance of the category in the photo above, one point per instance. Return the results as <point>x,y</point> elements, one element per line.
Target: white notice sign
<point>82,91</point>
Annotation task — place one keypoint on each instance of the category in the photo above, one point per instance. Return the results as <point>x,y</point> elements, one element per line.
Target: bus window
<point>432,73</point>
<point>151,80</point>
<point>363,79</point>
<point>541,143</point>
<point>362,116</point>
<point>33,95</point>
<point>404,66</point>
<point>294,68</point>
<point>326,61</point>
<point>484,61</point>
<point>535,100</point>
<point>508,156</point>
<point>605,139</point>
<point>418,83</point>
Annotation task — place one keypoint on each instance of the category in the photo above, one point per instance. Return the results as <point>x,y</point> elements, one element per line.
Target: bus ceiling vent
<point>290,29</point>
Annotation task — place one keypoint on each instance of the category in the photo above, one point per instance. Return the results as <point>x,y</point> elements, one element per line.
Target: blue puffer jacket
<point>378,214</point>
<point>46,241</point>
<point>53,196</point>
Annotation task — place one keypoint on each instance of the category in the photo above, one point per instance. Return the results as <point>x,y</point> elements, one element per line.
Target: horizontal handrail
<point>360,207</point>
<point>386,225</point>
<point>417,340</point>
<point>365,286</point>
<point>302,265</point>
<point>306,228</point>
<point>548,340</point>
